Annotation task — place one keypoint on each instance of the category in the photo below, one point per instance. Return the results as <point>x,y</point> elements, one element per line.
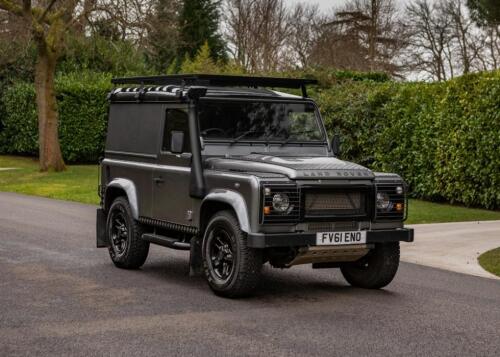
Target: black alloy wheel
<point>232,269</point>
<point>118,233</point>
<point>127,249</point>
<point>221,254</point>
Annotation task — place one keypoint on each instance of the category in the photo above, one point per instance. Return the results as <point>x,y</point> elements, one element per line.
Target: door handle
<point>158,180</point>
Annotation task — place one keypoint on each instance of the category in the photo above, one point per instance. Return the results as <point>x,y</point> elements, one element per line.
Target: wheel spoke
<point>220,253</point>
<point>119,233</point>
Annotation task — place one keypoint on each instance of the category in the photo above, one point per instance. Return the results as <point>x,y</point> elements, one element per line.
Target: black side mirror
<point>176,142</point>
<point>336,144</point>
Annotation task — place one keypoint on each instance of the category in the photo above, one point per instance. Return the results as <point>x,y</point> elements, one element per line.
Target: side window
<point>176,120</point>
<point>133,128</point>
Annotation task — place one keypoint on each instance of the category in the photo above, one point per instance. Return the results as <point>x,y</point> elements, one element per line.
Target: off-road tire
<point>376,269</point>
<point>247,264</point>
<point>136,250</point>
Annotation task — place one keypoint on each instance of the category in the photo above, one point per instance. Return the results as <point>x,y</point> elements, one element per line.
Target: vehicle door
<point>171,177</point>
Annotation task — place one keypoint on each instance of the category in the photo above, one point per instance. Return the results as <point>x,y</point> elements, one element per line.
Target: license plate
<point>341,238</point>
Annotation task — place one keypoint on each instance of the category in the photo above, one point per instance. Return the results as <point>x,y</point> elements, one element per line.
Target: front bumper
<point>267,240</point>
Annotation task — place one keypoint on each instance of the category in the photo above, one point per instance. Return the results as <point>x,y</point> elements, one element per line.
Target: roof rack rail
<point>219,81</point>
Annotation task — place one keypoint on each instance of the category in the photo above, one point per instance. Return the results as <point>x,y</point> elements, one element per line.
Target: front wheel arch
<point>224,200</point>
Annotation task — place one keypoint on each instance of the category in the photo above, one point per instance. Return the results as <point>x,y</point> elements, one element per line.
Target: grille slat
<point>335,202</point>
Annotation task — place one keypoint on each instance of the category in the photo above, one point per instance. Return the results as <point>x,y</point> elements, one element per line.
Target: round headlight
<point>399,190</point>
<point>383,201</point>
<point>281,202</point>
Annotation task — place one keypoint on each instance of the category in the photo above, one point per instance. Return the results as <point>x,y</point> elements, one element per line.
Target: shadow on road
<point>300,283</point>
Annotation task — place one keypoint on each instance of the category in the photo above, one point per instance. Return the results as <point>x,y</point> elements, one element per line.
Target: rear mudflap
<point>101,237</point>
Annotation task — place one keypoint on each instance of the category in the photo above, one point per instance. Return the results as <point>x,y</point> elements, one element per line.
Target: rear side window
<point>134,128</point>
<point>176,120</point>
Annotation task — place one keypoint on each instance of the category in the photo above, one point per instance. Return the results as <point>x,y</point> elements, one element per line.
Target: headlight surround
<point>281,202</point>
<point>383,201</point>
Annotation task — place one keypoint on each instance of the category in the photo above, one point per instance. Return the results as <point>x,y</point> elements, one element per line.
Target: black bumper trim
<point>262,240</point>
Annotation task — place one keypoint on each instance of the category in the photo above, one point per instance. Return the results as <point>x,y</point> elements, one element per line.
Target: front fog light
<point>383,201</point>
<point>281,202</point>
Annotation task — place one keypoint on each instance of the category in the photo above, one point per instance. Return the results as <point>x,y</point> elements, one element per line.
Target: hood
<point>293,167</point>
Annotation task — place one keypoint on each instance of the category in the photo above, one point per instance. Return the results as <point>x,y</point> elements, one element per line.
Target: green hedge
<point>443,138</point>
<point>82,111</point>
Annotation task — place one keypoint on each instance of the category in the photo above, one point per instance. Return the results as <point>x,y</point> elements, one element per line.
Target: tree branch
<point>26,6</point>
<point>46,11</point>
<point>11,7</point>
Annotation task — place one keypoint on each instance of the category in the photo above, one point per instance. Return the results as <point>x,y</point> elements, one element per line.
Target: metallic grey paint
<point>157,183</point>
<point>129,187</point>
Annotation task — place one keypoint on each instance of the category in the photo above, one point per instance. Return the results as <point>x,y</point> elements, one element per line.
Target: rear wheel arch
<point>112,193</point>
<point>122,187</point>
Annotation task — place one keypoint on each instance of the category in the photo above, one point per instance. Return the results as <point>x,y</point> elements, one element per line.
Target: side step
<point>166,241</point>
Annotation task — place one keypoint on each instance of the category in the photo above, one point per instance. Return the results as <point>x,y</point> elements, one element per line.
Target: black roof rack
<point>219,81</point>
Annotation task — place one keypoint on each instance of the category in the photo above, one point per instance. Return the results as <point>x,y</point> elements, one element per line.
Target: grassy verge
<point>490,261</point>
<point>79,183</point>
<point>428,212</point>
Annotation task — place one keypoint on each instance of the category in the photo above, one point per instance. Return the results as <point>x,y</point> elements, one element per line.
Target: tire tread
<point>250,264</point>
<point>137,249</point>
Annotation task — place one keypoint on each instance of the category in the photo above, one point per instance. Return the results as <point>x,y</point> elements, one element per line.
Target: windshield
<point>259,121</point>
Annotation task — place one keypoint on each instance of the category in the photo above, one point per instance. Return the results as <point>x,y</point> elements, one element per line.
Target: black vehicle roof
<point>174,87</point>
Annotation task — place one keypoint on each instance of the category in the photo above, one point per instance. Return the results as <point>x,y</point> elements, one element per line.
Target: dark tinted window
<point>176,120</point>
<point>134,128</point>
<point>245,120</point>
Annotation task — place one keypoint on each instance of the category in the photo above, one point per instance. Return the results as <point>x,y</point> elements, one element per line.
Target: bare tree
<point>492,45</point>
<point>446,42</point>
<point>462,27</point>
<point>305,29</point>
<point>431,35</point>
<point>132,18</point>
<point>257,31</point>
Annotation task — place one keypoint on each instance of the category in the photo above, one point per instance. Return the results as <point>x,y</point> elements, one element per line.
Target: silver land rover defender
<point>241,175</point>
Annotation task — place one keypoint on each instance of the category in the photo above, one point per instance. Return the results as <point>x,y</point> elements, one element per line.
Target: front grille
<point>293,215</point>
<point>391,214</point>
<point>341,202</point>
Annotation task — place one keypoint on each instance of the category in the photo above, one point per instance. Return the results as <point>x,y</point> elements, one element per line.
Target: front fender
<point>233,199</point>
<point>129,187</point>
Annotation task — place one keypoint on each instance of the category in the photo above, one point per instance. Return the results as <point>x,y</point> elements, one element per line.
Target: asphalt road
<point>61,296</point>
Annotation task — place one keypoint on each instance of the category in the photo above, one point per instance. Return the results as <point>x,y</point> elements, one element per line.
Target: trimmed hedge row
<point>443,138</point>
<point>82,108</point>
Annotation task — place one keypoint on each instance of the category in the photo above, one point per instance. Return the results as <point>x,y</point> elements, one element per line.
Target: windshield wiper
<point>248,132</point>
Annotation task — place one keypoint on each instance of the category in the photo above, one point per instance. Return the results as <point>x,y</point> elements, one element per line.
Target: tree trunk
<point>48,135</point>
